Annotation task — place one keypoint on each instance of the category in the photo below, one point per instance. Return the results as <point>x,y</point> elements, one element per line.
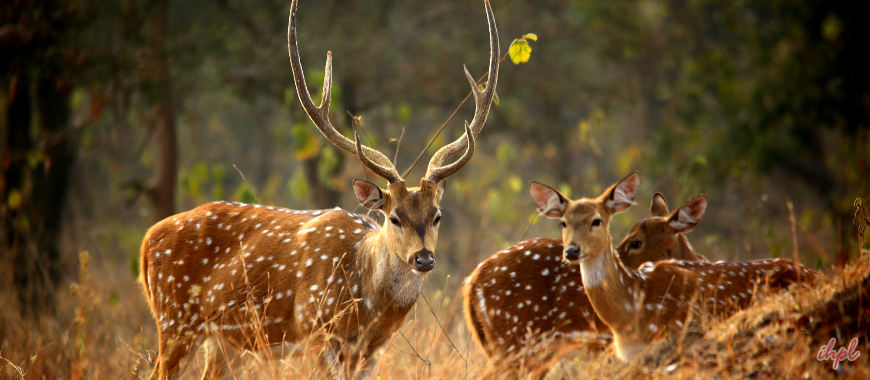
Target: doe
<point>657,299</point>
<point>528,294</point>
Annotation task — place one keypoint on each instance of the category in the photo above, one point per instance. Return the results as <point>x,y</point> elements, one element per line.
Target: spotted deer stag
<point>527,294</point>
<point>251,277</point>
<point>657,299</point>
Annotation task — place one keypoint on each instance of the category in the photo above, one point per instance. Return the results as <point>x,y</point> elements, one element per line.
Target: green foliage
<point>403,112</point>
<point>298,186</point>
<point>505,153</point>
<point>327,164</point>
<point>244,194</point>
<point>218,175</point>
<point>305,143</point>
<point>133,260</point>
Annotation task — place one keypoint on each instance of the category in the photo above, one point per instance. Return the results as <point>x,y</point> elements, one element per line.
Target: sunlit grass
<point>98,334</point>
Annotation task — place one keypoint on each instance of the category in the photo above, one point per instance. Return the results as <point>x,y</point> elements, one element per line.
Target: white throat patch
<point>405,288</point>
<point>592,270</point>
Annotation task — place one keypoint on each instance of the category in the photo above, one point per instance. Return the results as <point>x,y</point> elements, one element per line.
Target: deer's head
<point>660,237</point>
<point>585,222</point>
<point>412,213</point>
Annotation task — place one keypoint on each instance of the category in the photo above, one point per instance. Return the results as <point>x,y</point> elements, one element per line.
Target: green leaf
<point>495,98</point>
<point>520,51</point>
<point>531,36</point>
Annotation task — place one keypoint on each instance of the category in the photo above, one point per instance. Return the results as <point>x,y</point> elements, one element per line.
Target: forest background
<point>114,115</point>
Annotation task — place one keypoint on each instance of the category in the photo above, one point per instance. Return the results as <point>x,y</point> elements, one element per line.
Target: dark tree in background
<point>38,144</point>
<point>156,85</point>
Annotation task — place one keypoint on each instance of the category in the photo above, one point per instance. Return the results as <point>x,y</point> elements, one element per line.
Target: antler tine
<point>388,173</point>
<point>320,114</point>
<point>482,100</point>
<point>439,173</point>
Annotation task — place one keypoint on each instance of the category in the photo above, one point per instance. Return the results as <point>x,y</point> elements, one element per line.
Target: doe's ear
<point>620,196</point>
<point>659,206</point>
<point>549,200</point>
<point>687,217</point>
<point>369,195</point>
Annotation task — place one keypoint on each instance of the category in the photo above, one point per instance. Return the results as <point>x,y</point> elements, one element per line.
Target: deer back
<point>668,291</point>
<point>296,272</point>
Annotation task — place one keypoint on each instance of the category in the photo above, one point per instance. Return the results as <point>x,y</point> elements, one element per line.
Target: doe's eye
<point>394,220</point>
<point>562,224</point>
<point>437,220</point>
<point>634,244</point>
<point>596,222</point>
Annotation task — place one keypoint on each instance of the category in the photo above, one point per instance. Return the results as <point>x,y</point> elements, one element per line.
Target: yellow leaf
<point>520,51</point>
<point>531,36</point>
<point>495,98</point>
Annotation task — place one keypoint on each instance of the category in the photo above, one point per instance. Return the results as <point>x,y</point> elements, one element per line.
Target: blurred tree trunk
<point>161,189</point>
<point>39,149</point>
<point>322,193</point>
<point>39,180</point>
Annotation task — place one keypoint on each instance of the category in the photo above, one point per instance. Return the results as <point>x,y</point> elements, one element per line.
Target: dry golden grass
<point>100,335</point>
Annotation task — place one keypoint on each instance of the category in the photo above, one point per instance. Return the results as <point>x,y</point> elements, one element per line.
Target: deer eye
<point>562,224</point>
<point>437,220</point>
<point>394,220</point>
<point>596,222</point>
<point>634,244</point>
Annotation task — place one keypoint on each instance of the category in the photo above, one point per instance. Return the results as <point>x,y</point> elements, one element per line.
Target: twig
<point>815,244</point>
<point>359,124</point>
<point>398,145</point>
<point>794,250</point>
<point>861,221</point>
<point>246,182</point>
<point>425,361</point>
<point>441,326</point>
<point>535,216</point>
<point>144,143</point>
<point>467,346</point>
<point>65,133</point>
<point>440,300</point>
<point>17,368</point>
<point>448,121</point>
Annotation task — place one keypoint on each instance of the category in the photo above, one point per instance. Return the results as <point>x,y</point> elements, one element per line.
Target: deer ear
<point>442,186</point>
<point>620,196</point>
<point>687,217</point>
<point>369,195</point>
<point>659,206</point>
<point>550,201</point>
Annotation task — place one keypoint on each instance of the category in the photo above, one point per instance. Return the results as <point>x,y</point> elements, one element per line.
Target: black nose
<point>424,261</point>
<point>572,253</point>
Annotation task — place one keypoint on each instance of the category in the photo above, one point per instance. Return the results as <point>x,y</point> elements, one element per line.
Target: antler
<point>320,114</point>
<point>389,173</point>
<point>436,174</point>
<point>482,101</point>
